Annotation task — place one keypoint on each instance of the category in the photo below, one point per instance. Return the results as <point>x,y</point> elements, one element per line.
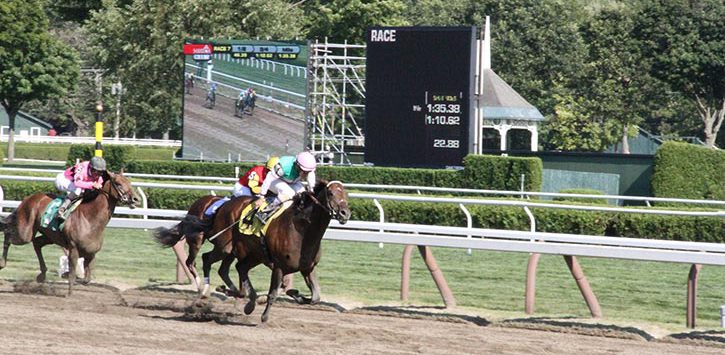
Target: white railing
<point>92,140</point>
<point>417,189</point>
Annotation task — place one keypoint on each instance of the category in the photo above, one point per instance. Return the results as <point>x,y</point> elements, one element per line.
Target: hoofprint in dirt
<point>101,319</point>
<point>220,134</point>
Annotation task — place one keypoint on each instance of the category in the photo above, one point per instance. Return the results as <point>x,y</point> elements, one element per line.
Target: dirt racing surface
<point>100,319</point>
<point>219,134</point>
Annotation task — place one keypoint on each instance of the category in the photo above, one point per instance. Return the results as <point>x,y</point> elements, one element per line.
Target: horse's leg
<point>6,246</point>
<point>38,243</point>
<point>89,261</point>
<point>191,265</point>
<point>208,259</point>
<point>72,265</point>
<point>243,267</point>
<point>314,286</point>
<point>224,274</point>
<point>273,287</point>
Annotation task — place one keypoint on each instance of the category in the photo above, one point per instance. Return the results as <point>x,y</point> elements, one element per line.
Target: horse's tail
<point>190,227</point>
<point>9,226</point>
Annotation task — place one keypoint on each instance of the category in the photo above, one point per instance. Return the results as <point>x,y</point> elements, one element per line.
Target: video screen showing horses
<point>244,100</point>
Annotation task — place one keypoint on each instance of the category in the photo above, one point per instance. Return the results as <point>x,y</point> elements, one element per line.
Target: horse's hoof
<point>40,278</point>
<point>265,317</point>
<point>249,307</point>
<point>2,264</point>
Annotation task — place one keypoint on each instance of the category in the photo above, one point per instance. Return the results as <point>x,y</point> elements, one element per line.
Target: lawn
<point>485,282</point>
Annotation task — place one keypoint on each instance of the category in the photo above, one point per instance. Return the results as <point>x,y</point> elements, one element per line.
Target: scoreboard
<point>418,95</point>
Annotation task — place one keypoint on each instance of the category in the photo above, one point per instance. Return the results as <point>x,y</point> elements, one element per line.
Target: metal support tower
<point>336,103</point>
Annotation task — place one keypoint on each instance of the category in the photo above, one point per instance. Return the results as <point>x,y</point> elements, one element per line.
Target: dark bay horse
<point>194,230</point>
<point>82,234</point>
<point>292,242</point>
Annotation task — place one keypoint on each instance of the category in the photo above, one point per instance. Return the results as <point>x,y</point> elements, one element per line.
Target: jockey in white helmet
<point>285,179</point>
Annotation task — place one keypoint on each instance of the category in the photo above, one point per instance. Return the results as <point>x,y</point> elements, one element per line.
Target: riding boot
<point>266,212</point>
<point>63,207</point>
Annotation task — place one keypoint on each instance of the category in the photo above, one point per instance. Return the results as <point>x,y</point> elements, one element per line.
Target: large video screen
<point>244,100</point>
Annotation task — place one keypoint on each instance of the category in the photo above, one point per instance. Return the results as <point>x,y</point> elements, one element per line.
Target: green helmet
<point>98,163</point>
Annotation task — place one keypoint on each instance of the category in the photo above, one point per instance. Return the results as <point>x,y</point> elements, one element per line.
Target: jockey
<point>78,178</point>
<point>285,181</point>
<point>251,182</point>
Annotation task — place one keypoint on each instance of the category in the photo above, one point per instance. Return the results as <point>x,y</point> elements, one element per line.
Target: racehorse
<point>82,234</point>
<point>194,231</point>
<point>245,104</point>
<point>210,98</point>
<point>292,242</point>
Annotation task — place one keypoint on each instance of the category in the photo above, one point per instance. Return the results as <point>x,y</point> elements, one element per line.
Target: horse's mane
<point>303,200</point>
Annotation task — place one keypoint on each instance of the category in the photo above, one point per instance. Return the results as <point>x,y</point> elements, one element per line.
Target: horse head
<point>118,187</point>
<point>333,198</point>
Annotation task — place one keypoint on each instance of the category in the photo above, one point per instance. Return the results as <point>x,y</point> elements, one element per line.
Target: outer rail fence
<point>416,189</point>
<point>568,245</point>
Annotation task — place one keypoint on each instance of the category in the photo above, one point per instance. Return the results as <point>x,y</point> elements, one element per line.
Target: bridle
<point>335,214</point>
<point>122,195</point>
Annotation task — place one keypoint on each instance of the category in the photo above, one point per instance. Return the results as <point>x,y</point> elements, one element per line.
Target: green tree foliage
<point>141,43</point>
<point>571,127</point>
<point>347,20</point>
<point>33,64</point>
<point>687,42</point>
<point>617,83</point>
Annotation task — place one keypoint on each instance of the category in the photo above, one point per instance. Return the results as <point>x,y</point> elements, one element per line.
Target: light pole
<point>99,129</point>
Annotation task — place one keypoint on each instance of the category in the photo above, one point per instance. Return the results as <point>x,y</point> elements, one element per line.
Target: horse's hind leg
<point>273,287</point>
<point>208,259</point>
<point>38,243</point>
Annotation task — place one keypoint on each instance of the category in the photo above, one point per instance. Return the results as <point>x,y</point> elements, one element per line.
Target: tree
<point>347,20</point>
<point>140,44</point>
<point>687,41</point>
<point>33,65</point>
<point>617,83</point>
<point>571,127</point>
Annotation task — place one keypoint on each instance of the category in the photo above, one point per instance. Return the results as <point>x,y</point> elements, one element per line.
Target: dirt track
<point>217,132</point>
<point>97,319</point>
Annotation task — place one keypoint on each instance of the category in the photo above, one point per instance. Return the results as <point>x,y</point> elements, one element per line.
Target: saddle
<point>250,225</point>
<point>50,220</point>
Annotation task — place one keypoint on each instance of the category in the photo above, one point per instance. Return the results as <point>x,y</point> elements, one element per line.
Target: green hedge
<point>630,225</point>
<point>595,201</point>
<point>688,171</point>
<point>41,151</point>
<point>116,156</point>
<point>480,172</point>
<point>502,173</point>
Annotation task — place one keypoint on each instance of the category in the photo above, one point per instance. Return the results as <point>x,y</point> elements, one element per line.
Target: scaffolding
<point>336,103</point>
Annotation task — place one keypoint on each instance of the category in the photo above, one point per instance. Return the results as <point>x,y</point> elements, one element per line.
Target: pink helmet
<point>306,161</point>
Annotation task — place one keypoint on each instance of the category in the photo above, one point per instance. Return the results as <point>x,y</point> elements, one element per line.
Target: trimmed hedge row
<point>117,156</point>
<point>630,225</point>
<point>598,201</point>
<point>480,172</point>
<point>688,171</point>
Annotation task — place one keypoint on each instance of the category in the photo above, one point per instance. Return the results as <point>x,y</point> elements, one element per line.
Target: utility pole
<point>117,89</point>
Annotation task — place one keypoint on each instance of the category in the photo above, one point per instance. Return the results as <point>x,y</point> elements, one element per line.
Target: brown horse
<point>82,234</point>
<point>194,231</point>
<point>292,242</point>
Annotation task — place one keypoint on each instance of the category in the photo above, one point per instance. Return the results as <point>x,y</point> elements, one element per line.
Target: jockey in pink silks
<point>78,178</point>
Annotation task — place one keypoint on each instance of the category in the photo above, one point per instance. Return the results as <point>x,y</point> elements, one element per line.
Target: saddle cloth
<point>211,210</point>
<point>49,219</point>
<point>256,227</point>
